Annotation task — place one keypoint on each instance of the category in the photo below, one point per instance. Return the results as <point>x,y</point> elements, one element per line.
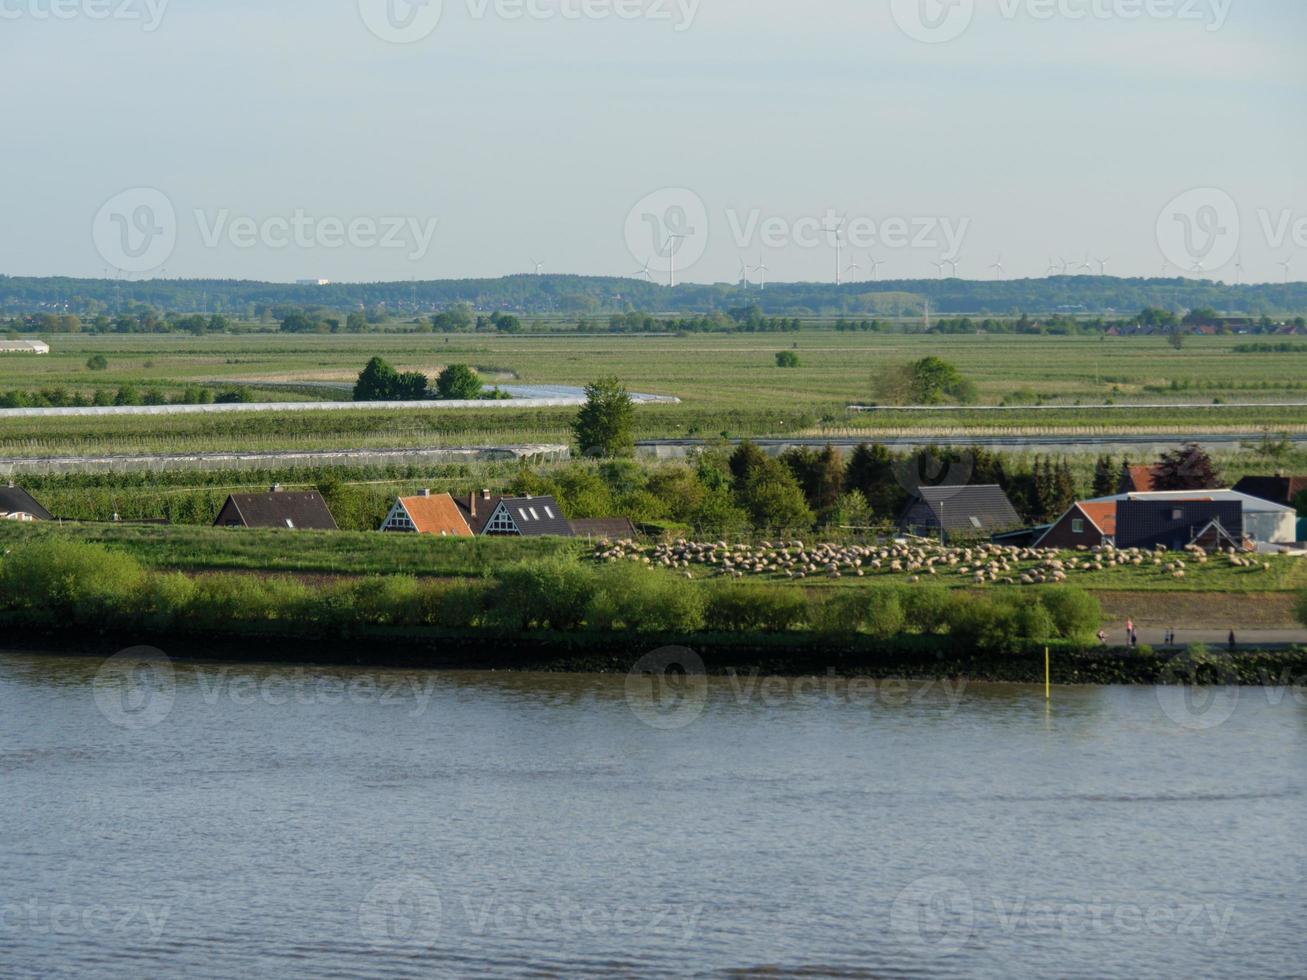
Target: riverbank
<point>706,653</point>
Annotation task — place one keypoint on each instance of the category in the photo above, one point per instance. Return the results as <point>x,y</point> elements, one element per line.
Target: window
<point>502,523</point>
<point>534,515</point>
<point>1177,514</point>
<point>290,524</point>
<point>549,511</point>
<point>1077,526</point>
<point>975,522</point>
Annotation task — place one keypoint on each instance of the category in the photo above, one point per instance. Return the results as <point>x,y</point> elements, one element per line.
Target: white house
<point>24,347</point>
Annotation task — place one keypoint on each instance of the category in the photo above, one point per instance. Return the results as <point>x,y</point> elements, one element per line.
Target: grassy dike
<point>555,614</point>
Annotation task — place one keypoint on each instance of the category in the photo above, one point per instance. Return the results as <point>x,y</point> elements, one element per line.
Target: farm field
<point>730,385</point>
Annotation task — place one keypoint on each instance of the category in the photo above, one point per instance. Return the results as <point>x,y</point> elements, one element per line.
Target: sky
<point>363,140</point>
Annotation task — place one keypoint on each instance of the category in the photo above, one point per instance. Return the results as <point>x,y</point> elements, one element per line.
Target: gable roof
<point>1102,513</point>
<point>299,510</point>
<point>1282,490</point>
<point>1138,479</point>
<point>520,510</point>
<point>970,508</point>
<point>436,514</point>
<point>1250,503</point>
<point>16,500</point>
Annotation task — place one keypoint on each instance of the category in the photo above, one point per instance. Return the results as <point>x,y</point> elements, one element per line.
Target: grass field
<point>729,385</point>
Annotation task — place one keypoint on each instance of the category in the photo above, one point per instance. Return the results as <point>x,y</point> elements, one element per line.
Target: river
<point>171,819</point>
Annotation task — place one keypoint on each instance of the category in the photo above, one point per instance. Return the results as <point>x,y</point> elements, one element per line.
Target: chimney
<point>426,491</point>
<point>485,494</point>
<point>472,503</point>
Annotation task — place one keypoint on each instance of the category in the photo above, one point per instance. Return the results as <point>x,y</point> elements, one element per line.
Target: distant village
<point>1257,515</point>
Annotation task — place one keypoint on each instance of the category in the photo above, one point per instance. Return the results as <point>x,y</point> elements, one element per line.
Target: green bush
<point>59,580</point>
<point>647,600</point>
<point>539,594</point>
<point>841,615</point>
<point>1000,623</point>
<point>745,606</point>
<point>884,616</point>
<point>926,607</point>
<point>162,599</point>
<point>387,600</point>
<point>455,607</point>
<point>1076,614</point>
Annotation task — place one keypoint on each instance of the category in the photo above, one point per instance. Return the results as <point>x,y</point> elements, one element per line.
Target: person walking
<point>1130,631</point>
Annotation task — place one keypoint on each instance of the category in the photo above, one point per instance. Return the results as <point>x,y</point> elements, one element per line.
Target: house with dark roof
<point>293,510</point>
<point>1175,524</point>
<point>490,514</point>
<point>428,513</point>
<point>1282,490</point>
<point>970,510</point>
<point>16,504</point>
<point>1087,524</point>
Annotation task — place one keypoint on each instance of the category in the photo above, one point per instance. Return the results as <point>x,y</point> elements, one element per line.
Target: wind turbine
<point>539,265</point>
<point>744,273</point>
<point>997,266</point>
<point>839,249</point>
<point>852,267</point>
<point>645,273</point>
<point>939,267</point>
<point>762,268</point>
<point>671,258</point>
<point>1066,266</point>
<point>1052,267</point>
<point>875,266</point>
<point>1285,265</point>
<point>1102,266</point>
<point>1086,265</point>
<point>954,263</point>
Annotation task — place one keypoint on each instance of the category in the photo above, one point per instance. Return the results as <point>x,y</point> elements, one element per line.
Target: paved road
<point>1214,639</point>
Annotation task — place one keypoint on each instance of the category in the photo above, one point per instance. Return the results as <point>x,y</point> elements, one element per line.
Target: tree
<point>1106,477</point>
<point>1176,337</point>
<point>97,362</point>
<point>871,472</point>
<point>411,386</point>
<point>1189,468</point>
<point>356,322</point>
<point>929,381</point>
<point>376,382</point>
<point>787,359</point>
<point>605,425</point>
<point>459,382</point>
<point>747,461</point>
<point>774,498</point>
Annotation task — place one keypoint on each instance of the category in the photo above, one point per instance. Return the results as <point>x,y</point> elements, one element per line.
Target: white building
<point>24,347</point>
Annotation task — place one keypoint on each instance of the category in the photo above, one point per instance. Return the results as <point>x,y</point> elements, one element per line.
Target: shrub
<point>1076,614</point>
<point>456,607</point>
<point>97,362</point>
<point>740,606</point>
<point>926,608</point>
<point>841,614</point>
<point>884,616</point>
<point>459,382</point>
<point>645,600</point>
<point>1006,623</point>
<point>163,599</point>
<point>550,593</point>
<point>57,580</point>
<point>787,359</point>
<point>387,600</point>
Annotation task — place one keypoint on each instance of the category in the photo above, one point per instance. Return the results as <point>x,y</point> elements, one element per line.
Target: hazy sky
<point>513,130</point>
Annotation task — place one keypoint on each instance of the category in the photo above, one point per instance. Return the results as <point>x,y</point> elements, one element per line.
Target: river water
<point>170,819</point>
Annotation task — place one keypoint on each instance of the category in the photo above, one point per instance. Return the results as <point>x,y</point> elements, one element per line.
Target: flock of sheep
<point>913,559</point>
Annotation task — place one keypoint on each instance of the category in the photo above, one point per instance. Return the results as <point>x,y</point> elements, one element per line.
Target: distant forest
<point>577,296</point>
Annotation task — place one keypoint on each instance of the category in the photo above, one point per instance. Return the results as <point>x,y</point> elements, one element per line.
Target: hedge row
<point>57,583</point>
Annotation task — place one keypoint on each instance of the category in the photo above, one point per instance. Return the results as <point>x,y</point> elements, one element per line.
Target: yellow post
<point>1048,675</point>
